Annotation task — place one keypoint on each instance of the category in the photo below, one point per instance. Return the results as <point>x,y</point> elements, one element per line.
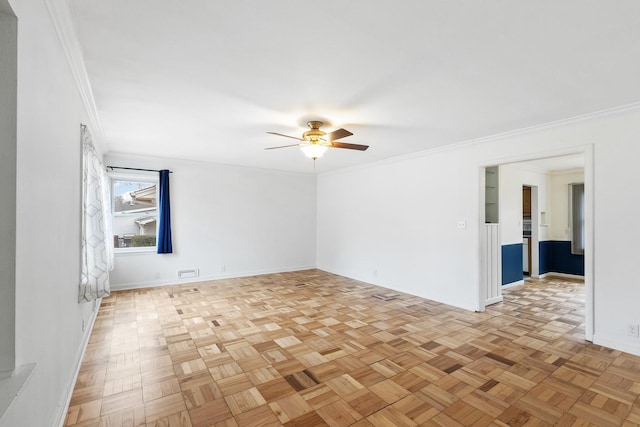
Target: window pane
<point>134,213</point>
<point>577,218</point>
<point>133,196</point>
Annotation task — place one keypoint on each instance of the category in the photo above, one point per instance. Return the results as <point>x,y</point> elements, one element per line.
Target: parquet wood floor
<point>315,349</point>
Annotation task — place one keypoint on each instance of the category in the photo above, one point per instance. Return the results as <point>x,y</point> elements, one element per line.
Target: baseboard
<point>512,284</point>
<point>566,275</point>
<point>63,406</point>
<point>176,281</point>
<point>626,346</point>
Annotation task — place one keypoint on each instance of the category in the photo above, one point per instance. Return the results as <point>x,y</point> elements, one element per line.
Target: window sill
<point>134,251</point>
<point>11,387</point>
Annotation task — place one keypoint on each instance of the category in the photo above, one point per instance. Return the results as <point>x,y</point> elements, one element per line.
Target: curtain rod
<point>134,169</point>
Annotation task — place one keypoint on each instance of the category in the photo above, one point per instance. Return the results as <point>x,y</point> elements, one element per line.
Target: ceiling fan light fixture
<point>314,142</point>
<point>314,151</point>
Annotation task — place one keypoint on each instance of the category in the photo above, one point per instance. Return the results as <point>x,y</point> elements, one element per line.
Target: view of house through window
<point>135,213</point>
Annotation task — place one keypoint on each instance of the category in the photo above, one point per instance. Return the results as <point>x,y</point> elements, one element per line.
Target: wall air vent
<point>187,273</point>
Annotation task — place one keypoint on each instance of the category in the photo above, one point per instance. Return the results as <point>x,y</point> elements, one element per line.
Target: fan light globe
<point>314,151</point>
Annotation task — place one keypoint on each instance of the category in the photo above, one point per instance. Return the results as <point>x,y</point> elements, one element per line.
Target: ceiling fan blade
<point>286,136</point>
<point>282,146</point>
<point>349,146</point>
<point>337,134</point>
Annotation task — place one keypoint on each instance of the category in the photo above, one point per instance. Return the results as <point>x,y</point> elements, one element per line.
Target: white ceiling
<point>204,79</point>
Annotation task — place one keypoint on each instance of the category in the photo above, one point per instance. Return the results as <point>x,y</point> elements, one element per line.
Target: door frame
<point>589,280</point>
<point>534,265</point>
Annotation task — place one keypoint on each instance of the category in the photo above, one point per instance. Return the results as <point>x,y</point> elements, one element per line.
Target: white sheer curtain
<point>97,246</point>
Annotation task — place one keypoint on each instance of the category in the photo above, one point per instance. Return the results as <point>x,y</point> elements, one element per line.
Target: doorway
<point>527,243</point>
<point>548,228</point>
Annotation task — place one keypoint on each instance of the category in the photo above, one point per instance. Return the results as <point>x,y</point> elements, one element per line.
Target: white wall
<point>227,221</point>
<point>400,217</point>
<point>48,316</point>
<point>616,248</point>
<point>558,217</point>
<point>512,178</point>
<point>396,225</point>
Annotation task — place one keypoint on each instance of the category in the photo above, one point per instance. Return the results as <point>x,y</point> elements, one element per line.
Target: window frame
<point>135,177</point>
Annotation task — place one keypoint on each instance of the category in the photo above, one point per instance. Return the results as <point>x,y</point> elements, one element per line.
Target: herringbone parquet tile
<point>311,348</point>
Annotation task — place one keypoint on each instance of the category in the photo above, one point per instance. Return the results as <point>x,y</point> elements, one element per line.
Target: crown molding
<point>60,13</point>
<point>635,106</point>
<point>621,109</point>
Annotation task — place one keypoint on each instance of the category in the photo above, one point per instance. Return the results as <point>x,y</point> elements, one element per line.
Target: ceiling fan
<point>314,142</point>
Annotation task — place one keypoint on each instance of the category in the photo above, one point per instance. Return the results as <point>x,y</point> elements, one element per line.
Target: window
<point>576,216</point>
<point>135,212</point>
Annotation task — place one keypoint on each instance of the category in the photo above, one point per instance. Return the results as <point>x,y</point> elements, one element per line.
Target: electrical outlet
<point>84,324</point>
<point>633,330</point>
<point>462,224</point>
